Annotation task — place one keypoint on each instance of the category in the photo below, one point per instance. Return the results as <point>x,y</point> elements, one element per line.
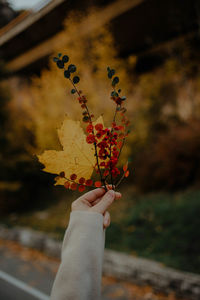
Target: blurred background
<point>154,46</point>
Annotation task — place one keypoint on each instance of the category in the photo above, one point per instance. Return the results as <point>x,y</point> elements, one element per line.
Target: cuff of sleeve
<point>86,218</point>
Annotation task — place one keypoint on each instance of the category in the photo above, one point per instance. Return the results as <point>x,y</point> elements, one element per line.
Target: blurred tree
<point>20,172</point>
<point>166,152</point>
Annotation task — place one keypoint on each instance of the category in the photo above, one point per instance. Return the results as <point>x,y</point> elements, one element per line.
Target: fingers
<point>93,195</point>
<point>106,219</point>
<point>105,202</point>
<point>117,196</point>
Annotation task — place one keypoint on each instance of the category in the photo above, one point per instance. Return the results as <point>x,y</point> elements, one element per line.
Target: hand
<point>97,200</point>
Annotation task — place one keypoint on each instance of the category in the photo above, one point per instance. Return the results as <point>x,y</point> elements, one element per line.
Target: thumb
<point>105,202</point>
<point>106,219</point>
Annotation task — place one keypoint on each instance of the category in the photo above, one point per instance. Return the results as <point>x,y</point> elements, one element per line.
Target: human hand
<point>97,200</point>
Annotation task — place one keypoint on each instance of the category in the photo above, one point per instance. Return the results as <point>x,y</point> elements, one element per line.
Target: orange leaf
<point>98,184</point>
<point>127,173</point>
<point>125,167</point>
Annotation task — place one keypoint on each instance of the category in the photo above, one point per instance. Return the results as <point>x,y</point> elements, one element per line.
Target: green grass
<point>163,227</point>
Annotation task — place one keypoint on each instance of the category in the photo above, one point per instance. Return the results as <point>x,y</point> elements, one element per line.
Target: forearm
<point>80,271</point>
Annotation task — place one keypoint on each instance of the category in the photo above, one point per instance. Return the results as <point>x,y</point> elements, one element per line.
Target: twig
<point>95,144</point>
<point>118,183</point>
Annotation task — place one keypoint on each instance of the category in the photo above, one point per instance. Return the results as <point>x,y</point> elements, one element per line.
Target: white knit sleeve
<point>80,271</point>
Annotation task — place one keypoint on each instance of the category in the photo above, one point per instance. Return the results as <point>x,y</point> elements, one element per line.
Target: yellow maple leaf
<point>77,156</point>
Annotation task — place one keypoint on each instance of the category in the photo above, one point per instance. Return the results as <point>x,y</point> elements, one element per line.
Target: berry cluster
<point>108,142</point>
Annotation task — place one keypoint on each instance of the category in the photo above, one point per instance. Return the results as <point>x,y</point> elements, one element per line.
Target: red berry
<point>98,127</point>
<point>62,174</point>
<point>73,177</point>
<point>73,186</point>
<point>81,180</point>
<point>81,188</point>
<point>67,184</point>
<point>89,182</point>
<point>115,171</point>
<point>89,128</point>
<point>90,139</point>
<point>99,134</point>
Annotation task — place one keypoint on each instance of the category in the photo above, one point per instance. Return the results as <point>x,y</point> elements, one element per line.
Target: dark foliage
<point>162,227</point>
<point>171,161</point>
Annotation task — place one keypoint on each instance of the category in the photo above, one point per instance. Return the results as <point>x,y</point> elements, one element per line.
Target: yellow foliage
<point>51,91</point>
<point>77,156</point>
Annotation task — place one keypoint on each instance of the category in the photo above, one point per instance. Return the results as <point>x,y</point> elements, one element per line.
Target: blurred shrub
<point>163,227</point>
<point>171,160</point>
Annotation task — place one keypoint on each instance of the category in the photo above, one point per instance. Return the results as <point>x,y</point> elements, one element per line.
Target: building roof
<point>137,25</point>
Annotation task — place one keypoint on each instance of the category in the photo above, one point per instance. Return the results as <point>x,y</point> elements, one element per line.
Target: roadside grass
<point>163,227</point>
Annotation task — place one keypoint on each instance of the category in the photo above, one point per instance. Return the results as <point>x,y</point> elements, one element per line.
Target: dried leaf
<point>77,156</point>
<point>126,173</point>
<point>125,167</point>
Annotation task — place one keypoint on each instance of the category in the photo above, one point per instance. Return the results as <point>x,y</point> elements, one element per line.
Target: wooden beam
<point>93,22</point>
<point>27,22</point>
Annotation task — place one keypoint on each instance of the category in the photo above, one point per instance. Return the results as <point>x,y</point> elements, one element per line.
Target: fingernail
<point>118,194</point>
<point>111,193</point>
<point>106,220</point>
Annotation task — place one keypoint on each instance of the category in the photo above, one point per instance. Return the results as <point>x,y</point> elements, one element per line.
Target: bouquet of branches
<point>95,152</point>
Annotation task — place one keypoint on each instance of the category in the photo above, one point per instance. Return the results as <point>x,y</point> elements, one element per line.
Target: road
<point>27,274</point>
<point>12,288</point>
